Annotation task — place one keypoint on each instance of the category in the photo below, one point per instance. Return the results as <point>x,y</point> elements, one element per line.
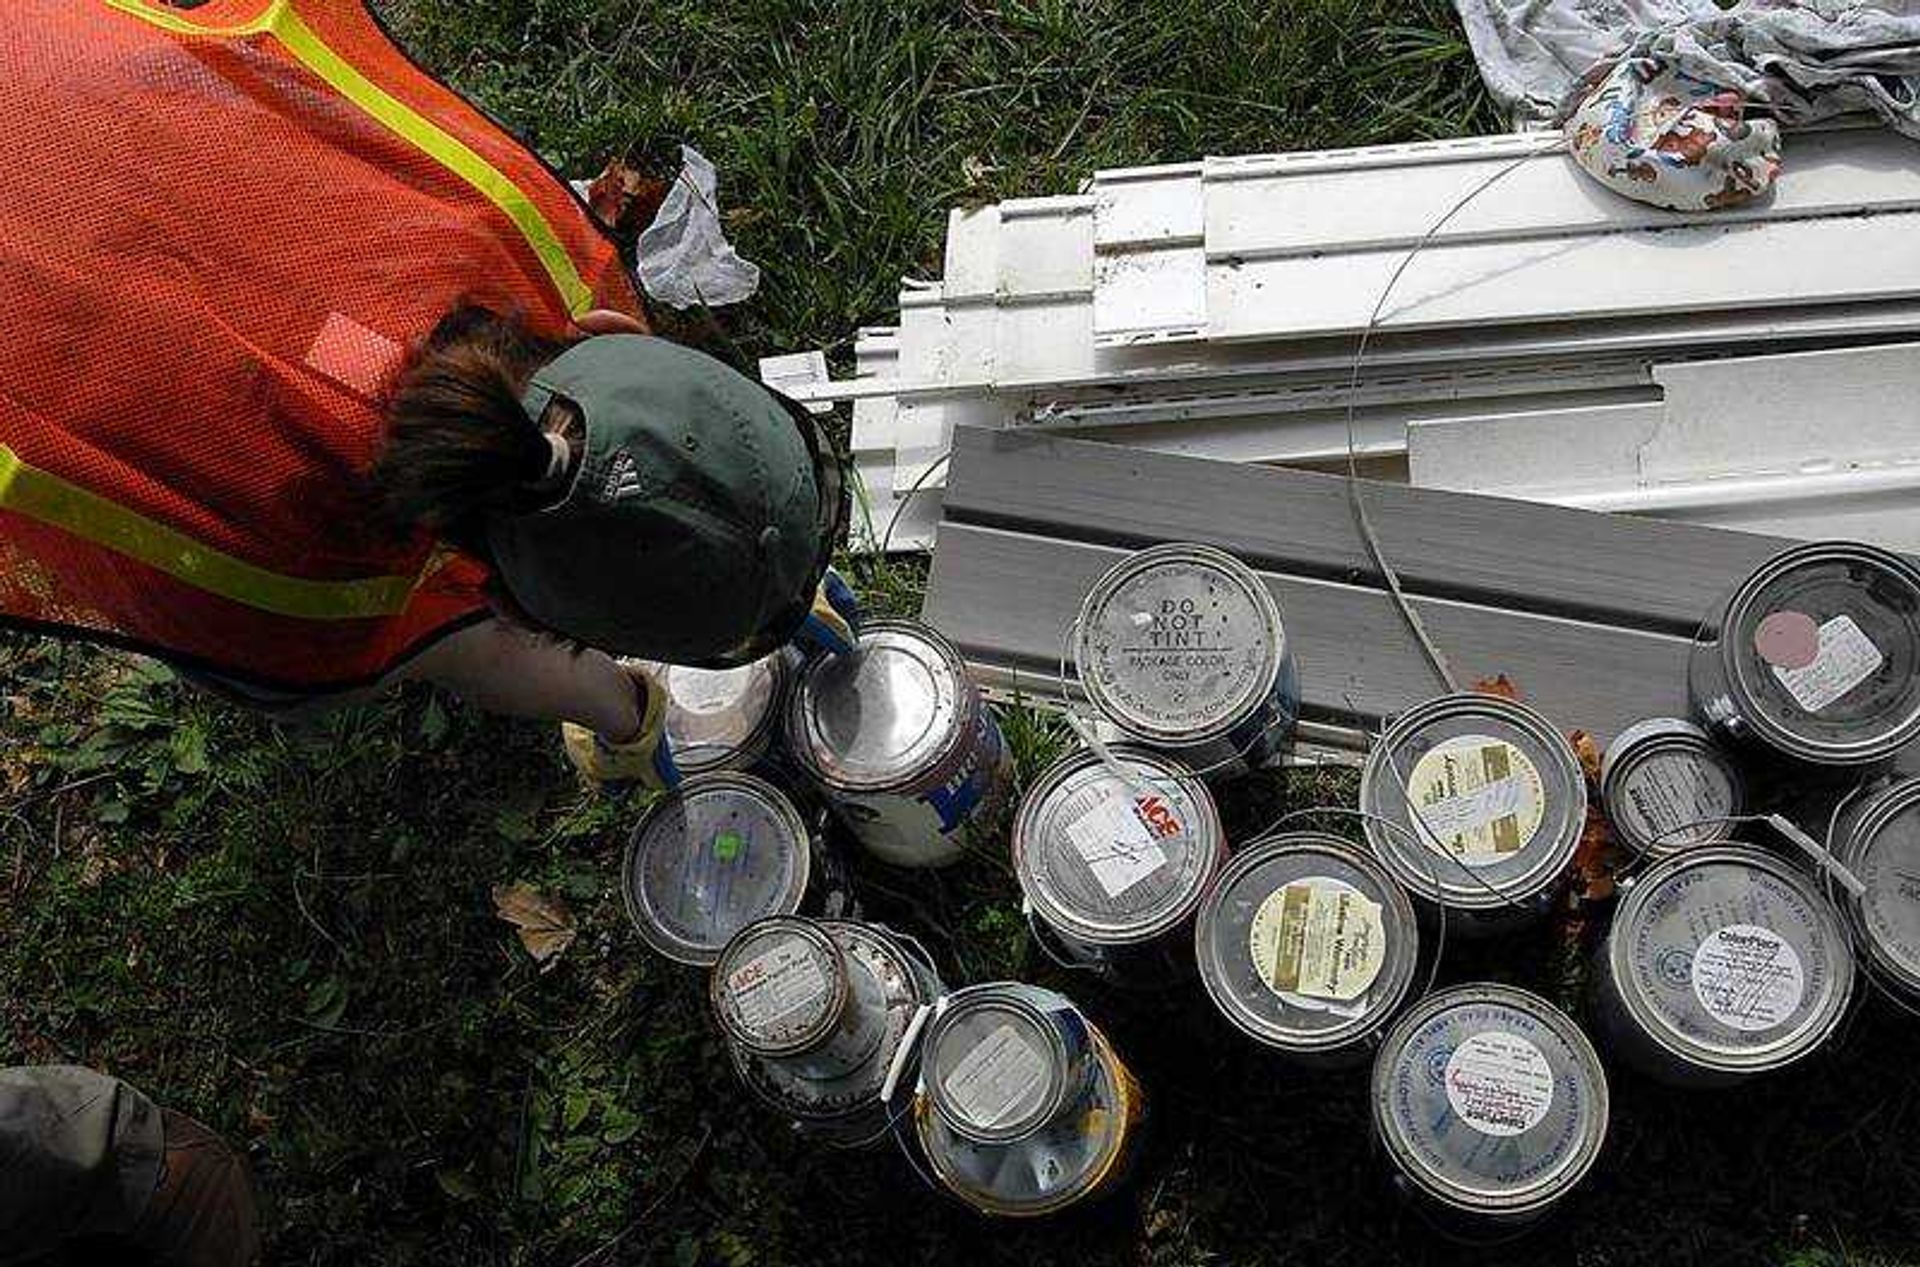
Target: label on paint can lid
<point>1481,796</point>
<point>777,988</point>
<point>1113,840</point>
<point>1319,938</point>
<point>1846,657</point>
<point>1498,1083</point>
<point>1748,978</point>
<point>997,1079</point>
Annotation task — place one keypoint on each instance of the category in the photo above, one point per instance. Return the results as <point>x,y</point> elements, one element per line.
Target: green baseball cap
<point>697,525</point>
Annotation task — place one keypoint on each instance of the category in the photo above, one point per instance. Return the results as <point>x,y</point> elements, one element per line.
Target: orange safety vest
<point>222,225</point>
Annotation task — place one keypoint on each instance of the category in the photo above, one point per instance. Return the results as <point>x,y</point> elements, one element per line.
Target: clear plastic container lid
<point>1306,943</point>
<point>1490,1099</point>
<point>1820,648</point>
<point>1501,801</point>
<point>1109,860</point>
<point>723,851</point>
<point>1179,643</point>
<point>1730,958</point>
<point>779,986</point>
<point>883,714</point>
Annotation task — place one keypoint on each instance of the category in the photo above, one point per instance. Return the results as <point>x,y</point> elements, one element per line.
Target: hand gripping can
<point>1490,1105</point>
<point>1665,786</point>
<point>1812,657</point>
<point>722,851</point>
<point>1476,805</point>
<point>1024,1108</point>
<point>1181,647</point>
<point>899,740</point>
<point>1877,838</point>
<point>1308,945</point>
<point>1113,864</point>
<point>1722,962</point>
<point>815,1014</point>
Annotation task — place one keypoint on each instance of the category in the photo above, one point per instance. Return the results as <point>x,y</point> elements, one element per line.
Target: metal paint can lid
<point>1501,796</point>
<point>1883,852</point>
<point>905,985</point>
<point>1112,860</point>
<point>995,1065</point>
<point>1179,643</point>
<point>1659,775</point>
<point>885,713</point>
<point>722,851</point>
<point>1730,958</point>
<point>1306,943</point>
<point>1489,1100</point>
<point>780,986</point>
<point>1819,649</point>
<point>713,715</point>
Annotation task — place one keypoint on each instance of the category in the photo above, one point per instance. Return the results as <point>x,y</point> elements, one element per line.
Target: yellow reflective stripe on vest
<point>284,24</point>
<point>44,496</point>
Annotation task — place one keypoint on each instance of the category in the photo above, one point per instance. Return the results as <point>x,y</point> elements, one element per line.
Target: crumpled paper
<point>684,257</point>
<point>1655,134</point>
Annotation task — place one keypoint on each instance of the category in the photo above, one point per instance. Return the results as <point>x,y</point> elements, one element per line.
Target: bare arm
<point>505,669</point>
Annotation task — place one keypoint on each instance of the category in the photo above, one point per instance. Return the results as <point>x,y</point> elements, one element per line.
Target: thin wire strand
<point>1356,498</point>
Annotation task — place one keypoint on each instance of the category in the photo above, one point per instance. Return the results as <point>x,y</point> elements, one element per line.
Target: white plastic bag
<point>684,257</point>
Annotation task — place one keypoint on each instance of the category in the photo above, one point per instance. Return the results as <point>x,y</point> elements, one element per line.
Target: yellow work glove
<point>833,626</point>
<point>646,758</point>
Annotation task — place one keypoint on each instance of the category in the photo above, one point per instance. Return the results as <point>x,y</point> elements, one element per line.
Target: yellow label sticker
<point>1320,938</point>
<point>1480,797</point>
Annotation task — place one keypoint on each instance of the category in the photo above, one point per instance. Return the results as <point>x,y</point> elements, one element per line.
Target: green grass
<point>289,933</point>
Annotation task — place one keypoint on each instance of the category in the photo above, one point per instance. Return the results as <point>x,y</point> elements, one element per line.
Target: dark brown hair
<point>459,444</point>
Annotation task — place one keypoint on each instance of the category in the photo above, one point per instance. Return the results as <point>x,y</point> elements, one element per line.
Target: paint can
<point>1181,647</point>
<point>1722,962</point>
<point>1501,804</point>
<point>726,719</point>
<point>1024,1108</point>
<point>1877,837</point>
<point>1490,1105</point>
<point>1813,656</point>
<point>815,1014</point>
<point>896,735</point>
<point>1308,945</point>
<point>1660,774</point>
<point>720,852</point>
<point>1113,868</point>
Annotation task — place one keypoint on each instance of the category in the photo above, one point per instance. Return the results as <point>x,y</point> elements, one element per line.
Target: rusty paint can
<point>815,1014</point>
<point>1113,863</point>
<point>1659,775</point>
<point>897,737</point>
<point>1181,647</point>
<point>1722,962</point>
<point>720,852</point>
<point>1486,802</point>
<point>1308,945</point>
<point>1024,1108</point>
<point>1491,1107</point>
<point>1877,837</point>
<point>1812,658</point>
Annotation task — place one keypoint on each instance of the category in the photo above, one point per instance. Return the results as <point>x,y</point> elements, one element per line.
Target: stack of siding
<point>1548,340</point>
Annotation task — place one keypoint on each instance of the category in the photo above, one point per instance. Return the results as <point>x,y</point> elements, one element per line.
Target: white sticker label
<point>997,1077</point>
<point>706,691</point>
<point>1748,978</point>
<point>1499,1083</point>
<point>1481,796</point>
<point>1113,840</point>
<point>1319,938</point>
<point>1847,657</point>
<point>1668,790</point>
<point>775,984</point>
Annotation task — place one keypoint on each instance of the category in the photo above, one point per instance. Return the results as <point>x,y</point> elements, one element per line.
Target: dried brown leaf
<point>545,924</point>
<point>1502,686</point>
